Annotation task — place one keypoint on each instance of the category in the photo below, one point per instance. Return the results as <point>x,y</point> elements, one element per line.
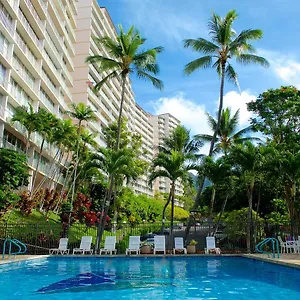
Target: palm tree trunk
<point>172,212</point>
<point>105,212</point>
<point>75,172</point>
<point>221,214</point>
<point>213,140</point>
<point>257,211</point>
<point>211,149</point>
<point>196,205</point>
<point>124,76</point>
<point>212,200</point>
<point>164,213</point>
<point>46,177</point>
<point>37,167</point>
<point>249,214</point>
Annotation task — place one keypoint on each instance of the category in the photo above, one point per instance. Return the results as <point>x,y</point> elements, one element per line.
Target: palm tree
<point>27,118</point>
<point>114,164</point>
<point>124,59</point>
<point>82,113</point>
<point>48,125</point>
<point>228,133</point>
<point>225,45</point>
<point>180,141</point>
<point>217,172</point>
<point>247,162</point>
<point>172,165</point>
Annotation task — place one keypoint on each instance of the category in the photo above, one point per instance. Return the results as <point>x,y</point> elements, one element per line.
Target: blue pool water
<point>148,278</point>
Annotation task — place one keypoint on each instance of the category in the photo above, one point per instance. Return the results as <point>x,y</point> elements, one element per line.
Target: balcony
<point>34,13</point>
<point>29,30</point>
<point>8,24</point>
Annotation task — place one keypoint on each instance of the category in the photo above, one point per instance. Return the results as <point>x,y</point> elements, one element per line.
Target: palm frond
<point>247,59</point>
<point>201,45</point>
<point>202,62</point>
<point>104,63</point>
<point>98,86</point>
<point>230,74</point>
<point>155,81</point>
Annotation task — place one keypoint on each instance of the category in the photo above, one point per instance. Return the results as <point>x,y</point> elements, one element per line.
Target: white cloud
<point>239,101</point>
<point>286,67</point>
<point>192,115</point>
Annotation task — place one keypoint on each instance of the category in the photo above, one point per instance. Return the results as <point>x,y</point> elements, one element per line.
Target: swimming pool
<point>148,278</point>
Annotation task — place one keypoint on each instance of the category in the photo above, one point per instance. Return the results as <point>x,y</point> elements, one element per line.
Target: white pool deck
<point>290,260</point>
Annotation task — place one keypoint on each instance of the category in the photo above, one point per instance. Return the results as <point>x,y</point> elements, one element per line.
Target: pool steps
<point>15,242</point>
<point>275,247</point>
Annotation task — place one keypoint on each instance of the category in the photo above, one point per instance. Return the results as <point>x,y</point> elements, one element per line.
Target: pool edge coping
<point>248,256</point>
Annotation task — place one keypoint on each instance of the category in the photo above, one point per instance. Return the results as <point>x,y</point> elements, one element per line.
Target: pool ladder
<point>22,247</point>
<point>275,247</point>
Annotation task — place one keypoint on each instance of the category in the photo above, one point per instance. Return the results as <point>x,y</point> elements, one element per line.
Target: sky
<point>168,22</point>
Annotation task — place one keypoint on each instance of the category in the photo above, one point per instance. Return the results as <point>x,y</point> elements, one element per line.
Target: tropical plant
<point>225,45</point>
<point>124,59</point>
<point>48,124</point>
<point>277,116</point>
<point>247,160</point>
<point>179,141</point>
<point>217,172</point>
<point>28,118</point>
<point>174,166</point>
<point>13,174</point>
<point>82,113</point>
<point>228,133</point>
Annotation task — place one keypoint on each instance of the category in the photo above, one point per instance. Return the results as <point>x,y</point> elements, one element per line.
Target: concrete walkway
<point>19,258</point>
<point>290,260</point>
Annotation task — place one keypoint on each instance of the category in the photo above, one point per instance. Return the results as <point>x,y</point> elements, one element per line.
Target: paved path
<point>291,260</point>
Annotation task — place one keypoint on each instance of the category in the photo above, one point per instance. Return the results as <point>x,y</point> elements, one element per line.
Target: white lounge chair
<point>211,245</point>
<point>134,245</point>
<point>85,246</point>
<point>179,245</point>
<point>109,245</point>
<point>62,247</point>
<point>286,247</point>
<point>159,244</point>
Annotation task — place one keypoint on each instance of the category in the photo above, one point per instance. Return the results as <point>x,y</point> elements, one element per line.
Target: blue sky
<point>167,22</point>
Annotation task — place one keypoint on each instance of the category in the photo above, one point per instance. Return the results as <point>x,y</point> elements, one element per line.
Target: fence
<point>231,238</point>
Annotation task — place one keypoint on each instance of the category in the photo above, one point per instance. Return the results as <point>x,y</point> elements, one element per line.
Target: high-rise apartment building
<point>92,22</point>
<point>43,48</point>
<point>36,64</point>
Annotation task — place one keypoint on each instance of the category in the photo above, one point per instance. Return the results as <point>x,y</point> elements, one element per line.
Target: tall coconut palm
<point>172,165</point>
<point>228,133</point>
<point>82,113</point>
<point>224,46</point>
<point>247,162</point>
<point>125,57</point>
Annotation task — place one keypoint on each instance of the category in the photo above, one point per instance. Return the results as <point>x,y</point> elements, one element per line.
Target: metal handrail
<point>274,242</point>
<point>16,243</point>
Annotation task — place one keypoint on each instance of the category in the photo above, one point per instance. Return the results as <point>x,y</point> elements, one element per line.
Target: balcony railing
<point>34,13</point>
<point>6,22</point>
<point>29,29</point>
<point>27,52</point>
